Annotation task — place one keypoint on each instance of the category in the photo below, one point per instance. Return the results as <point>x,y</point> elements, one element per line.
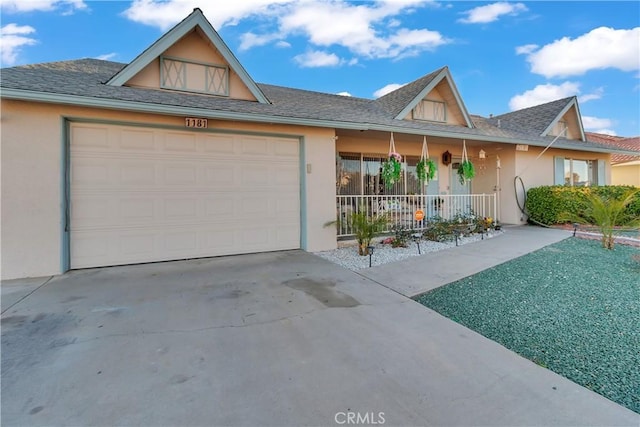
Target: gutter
<point>144,107</point>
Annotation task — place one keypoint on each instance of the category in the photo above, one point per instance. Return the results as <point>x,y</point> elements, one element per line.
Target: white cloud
<point>164,14</point>
<point>372,30</point>
<point>107,56</point>
<point>589,122</point>
<point>249,40</point>
<point>359,28</point>
<point>526,49</point>
<point>283,44</point>
<point>542,94</point>
<point>17,6</point>
<point>386,89</point>
<point>344,94</point>
<point>317,58</point>
<point>491,12</point>
<point>597,94</point>
<point>598,49</point>
<point>605,132</point>
<point>12,38</point>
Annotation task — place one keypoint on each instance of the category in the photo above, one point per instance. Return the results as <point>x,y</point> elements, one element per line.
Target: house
<point>625,168</point>
<point>181,154</point>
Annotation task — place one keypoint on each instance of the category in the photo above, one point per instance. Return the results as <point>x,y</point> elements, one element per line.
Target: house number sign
<point>192,122</point>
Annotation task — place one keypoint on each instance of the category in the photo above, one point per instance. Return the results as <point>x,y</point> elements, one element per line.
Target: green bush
<point>546,204</point>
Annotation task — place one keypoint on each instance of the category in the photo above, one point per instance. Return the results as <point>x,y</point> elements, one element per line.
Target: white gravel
<point>348,257</point>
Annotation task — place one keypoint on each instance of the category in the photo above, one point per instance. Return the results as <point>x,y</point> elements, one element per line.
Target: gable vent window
<point>197,77</point>
<point>559,128</point>
<point>433,111</point>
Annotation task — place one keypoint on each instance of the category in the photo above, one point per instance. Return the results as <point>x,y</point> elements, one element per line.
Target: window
<point>194,77</point>
<point>579,173</point>
<point>559,129</point>
<point>434,111</point>
<point>360,174</point>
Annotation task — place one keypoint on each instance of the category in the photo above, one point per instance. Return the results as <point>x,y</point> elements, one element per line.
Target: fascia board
<point>196,19</point>
<point>558,117</point>
<point>172,110</point>
<point>428,88</point>
<point>144,107</point>
<point>436,80</point>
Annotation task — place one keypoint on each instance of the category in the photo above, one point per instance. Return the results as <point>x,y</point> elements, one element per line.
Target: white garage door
<point>145,194</point>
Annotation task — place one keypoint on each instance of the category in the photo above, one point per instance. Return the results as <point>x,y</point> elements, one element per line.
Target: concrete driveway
<point>270,339</point>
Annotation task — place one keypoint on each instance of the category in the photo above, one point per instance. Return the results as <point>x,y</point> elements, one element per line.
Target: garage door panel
<point>137,140</point>
<point>141,195</point>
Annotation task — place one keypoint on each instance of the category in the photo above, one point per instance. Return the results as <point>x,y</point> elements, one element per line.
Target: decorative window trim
<point>179,81</point>
<point>418,111</point>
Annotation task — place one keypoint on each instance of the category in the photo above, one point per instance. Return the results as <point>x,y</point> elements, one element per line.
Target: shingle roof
<point>394,102</point>
<point>83,81</point>
<point>532,120</point>
<point>631,144</point>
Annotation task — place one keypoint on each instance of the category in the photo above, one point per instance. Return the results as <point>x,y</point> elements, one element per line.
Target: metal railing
<point>401,209</point>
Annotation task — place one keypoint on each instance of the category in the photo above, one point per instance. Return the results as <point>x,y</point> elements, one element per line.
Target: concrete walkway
<point>418,275</point>
<point>275,339</point>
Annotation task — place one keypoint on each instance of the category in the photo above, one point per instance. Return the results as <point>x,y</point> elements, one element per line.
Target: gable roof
<point>195,19</point>
<point>82,82</point>
<point>539,120</point>
<point>401,101</point>
<point>631,144</point>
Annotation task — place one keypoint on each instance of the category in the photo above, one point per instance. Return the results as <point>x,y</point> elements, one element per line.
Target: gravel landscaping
<point>572,307</point>
<point>348,257</point>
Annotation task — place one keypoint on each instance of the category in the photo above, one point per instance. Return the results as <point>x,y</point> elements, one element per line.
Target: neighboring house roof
<point>195,19</point>
<point>630,144</point>
<point>540,119</point>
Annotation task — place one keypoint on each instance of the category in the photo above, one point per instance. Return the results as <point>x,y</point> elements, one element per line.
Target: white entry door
<point>141,194</point>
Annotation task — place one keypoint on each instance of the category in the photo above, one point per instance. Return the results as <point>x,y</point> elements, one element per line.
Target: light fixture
<point>482,154</point>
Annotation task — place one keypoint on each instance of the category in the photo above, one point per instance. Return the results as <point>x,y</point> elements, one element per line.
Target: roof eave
<point>444,73</point>
<point>144,107</point>
<point>572,103</point>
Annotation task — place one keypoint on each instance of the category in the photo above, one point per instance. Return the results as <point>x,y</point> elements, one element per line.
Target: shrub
<point>546,204</point>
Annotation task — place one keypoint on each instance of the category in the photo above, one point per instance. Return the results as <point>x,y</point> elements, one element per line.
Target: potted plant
<point>392,169</point>
<point>425,168</point>
<point>466,171</point>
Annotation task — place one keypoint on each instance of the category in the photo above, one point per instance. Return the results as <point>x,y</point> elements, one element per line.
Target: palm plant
<point>607,213</point>
<point>364,227</point>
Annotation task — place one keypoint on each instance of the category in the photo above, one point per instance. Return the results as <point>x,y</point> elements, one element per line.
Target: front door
<point>456,187</point>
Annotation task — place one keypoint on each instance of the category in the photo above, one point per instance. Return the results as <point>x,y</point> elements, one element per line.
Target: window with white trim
<point>189,76</point>
<point>433,111</point>
<point>579,172</point>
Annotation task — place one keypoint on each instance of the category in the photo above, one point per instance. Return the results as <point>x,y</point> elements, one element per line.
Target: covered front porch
<point>361,188</point>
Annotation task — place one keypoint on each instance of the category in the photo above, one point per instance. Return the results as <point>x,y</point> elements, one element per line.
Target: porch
<point>401,209</point>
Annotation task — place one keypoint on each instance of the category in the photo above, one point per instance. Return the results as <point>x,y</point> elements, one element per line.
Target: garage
<point>142,194</point>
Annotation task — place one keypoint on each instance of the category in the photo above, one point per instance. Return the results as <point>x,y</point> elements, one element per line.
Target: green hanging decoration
<point>392,168</point>
<point>425,168</point>
<point>466,171</point>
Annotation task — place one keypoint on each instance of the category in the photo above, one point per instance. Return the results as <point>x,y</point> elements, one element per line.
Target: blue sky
<point>502,55</point>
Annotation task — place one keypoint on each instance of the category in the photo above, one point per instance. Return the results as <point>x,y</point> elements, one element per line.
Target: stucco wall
<point>32,206</point>
<point>626,174</point>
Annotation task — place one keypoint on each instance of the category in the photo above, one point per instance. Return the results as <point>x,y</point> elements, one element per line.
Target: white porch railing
<point>401,208</point>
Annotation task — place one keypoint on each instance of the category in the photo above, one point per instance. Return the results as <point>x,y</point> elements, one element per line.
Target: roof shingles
<point>86,79</point>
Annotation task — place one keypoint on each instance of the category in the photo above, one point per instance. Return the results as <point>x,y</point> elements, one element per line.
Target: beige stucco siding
<point>32,147</point>
<point>626,174</point>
